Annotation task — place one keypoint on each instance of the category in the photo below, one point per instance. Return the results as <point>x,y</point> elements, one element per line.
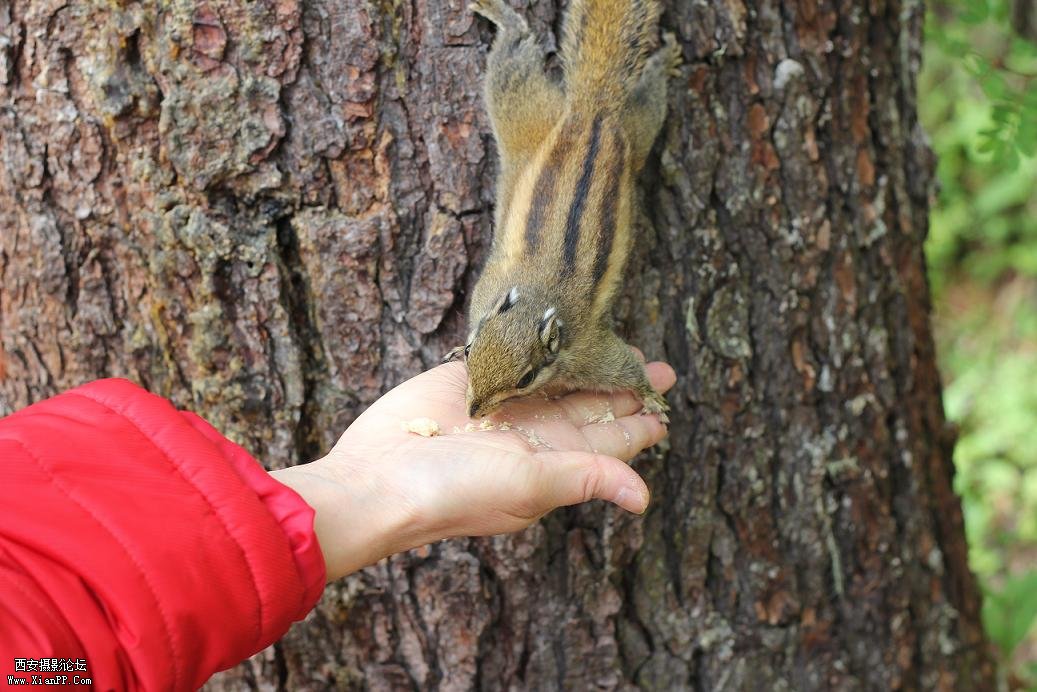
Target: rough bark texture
<point>271,211</point>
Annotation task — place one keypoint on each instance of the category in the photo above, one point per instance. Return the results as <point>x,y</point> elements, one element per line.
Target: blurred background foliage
<point>978,101</point>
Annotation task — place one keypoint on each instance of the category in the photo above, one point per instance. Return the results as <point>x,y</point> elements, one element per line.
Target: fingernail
<point>631,500</point>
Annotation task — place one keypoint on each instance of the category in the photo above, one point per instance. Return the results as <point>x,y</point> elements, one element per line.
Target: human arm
<point>134,537</point>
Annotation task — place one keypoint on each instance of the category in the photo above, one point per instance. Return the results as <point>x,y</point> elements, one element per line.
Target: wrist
<point>356,524</point>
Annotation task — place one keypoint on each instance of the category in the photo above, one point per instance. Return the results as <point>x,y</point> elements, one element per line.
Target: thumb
<point>574,477</point>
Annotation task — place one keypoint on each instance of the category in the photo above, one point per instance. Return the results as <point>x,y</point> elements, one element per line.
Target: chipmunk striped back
<point>569,213</point>
<point>570,220</point>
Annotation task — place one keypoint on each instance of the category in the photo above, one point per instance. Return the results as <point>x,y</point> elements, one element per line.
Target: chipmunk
<point>569,154</point>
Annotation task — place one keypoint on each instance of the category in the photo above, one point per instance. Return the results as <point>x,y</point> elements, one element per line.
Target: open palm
<point>477,477</point>
<point>500,474</point>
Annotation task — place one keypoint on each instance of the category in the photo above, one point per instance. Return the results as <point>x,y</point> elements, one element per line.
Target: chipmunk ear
<point>550,330</point>
<point>509,299</point>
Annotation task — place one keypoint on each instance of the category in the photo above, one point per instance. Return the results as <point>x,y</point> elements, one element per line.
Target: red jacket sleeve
<point>135,537</point>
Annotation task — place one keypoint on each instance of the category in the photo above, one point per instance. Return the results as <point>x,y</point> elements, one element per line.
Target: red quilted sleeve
<point>137,542</point>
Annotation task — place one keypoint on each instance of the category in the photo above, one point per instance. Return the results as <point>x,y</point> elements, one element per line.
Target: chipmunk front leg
<point>523,103</point>
<point>614,366</point>
<point>646,107</point>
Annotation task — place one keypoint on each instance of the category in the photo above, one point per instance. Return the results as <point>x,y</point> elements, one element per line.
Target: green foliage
<point>977,35</point>
<point>988,356</point>
<point>1010,612</point>
<point>978,100</point>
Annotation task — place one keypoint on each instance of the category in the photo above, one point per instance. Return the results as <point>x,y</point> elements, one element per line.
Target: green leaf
<point>975,12</point>
<point>1011,158</point>
<point>976,64</point>
<point>989,143</point>
<point>1010,612</point>
<point>1026,136</point>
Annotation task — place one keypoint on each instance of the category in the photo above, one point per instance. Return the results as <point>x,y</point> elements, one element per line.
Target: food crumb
<point>483,425</point>
<point>536,440</point>
<point>426,427</point>
<point>533,439</point>
<point>505,425</point>
<point>606,416</point>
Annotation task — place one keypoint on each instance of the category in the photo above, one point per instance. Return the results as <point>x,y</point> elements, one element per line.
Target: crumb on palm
<point>533,438</point>
<point>426,427</point>
<point>606,416</point>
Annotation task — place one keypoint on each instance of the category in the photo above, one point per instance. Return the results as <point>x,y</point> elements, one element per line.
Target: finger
<point>639,353</point>
<point>447,380</point>
<point>583,408</point>
<point>661,375</point>
<point>568,478</point>
<point>625,437</point>
<point>438,394</point>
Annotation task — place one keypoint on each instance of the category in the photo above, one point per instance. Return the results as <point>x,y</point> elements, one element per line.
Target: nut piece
<point>426,427</point>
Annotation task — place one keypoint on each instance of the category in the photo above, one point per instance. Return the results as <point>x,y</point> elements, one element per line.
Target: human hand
<point>382,489</point>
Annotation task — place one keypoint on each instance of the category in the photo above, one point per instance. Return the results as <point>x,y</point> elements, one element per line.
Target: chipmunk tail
<point>604,47</point>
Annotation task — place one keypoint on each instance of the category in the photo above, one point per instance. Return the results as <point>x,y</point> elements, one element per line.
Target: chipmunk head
<point>512,351</point>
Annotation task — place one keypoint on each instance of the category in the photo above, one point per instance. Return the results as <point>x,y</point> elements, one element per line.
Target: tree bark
<point>271,213</point>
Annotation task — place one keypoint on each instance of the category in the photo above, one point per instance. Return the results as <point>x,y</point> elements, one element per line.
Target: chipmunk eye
<point>467,350</point>
<point>526,380</point>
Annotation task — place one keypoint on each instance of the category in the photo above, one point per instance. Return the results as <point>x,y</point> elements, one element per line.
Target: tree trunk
<point>271,213</point>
